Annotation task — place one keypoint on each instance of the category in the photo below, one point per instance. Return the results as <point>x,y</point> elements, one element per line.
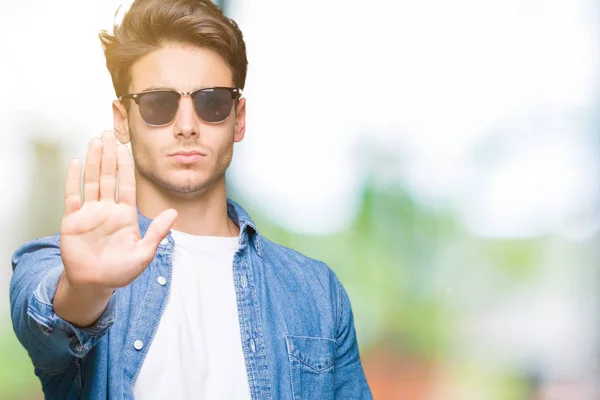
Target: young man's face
<point>183,68</point>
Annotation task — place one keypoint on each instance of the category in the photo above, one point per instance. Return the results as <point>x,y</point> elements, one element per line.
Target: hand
<point>100,241</point>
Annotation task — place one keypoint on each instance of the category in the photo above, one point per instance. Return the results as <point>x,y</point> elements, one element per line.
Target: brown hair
<point>150,24</point>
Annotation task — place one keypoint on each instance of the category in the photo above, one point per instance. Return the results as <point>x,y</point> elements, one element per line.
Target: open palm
<point>100,241</point>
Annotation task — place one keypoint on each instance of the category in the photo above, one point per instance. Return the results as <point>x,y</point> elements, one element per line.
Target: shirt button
<point>162,281</point>
<point>164,242</point>
<point>244,281</point>
<point>252,345</point>
<point>138,344</point>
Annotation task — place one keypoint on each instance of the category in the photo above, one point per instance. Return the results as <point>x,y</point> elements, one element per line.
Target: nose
<point>186,122</point>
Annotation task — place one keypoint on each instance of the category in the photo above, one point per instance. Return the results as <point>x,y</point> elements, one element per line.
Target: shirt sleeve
<point>350,380</point>
<point>50,341</point>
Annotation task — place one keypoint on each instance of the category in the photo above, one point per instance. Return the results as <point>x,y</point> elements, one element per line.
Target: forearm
<point>80,306</point>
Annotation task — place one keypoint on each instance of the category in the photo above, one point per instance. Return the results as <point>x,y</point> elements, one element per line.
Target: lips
<point>187,157</point>
<point>188,153</point>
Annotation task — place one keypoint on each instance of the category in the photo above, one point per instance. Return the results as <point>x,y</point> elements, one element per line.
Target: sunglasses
<point>159,107</point>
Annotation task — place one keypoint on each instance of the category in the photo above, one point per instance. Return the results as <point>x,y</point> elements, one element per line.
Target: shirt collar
<point>248,230</point>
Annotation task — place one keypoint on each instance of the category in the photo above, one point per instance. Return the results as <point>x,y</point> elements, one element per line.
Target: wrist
<point>89,290</point>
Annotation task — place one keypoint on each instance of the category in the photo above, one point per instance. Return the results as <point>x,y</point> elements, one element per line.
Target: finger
<point>108,166</point>
<point>91,174</point>
<point>126,176</point>
<point>72,187</point>
<point>158,229</point>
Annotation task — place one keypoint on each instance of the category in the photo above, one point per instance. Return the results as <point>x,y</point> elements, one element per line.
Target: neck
<point>204,214</point>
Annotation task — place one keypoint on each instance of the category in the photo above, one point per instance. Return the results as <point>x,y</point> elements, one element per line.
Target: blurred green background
<point>441,158</point>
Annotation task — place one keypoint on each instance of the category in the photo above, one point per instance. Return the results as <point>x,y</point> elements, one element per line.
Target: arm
<point>100,250</point>
<point>350,380</point>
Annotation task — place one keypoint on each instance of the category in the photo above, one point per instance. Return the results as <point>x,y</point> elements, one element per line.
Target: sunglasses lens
<point>213,105</point>
<point>159,108</point>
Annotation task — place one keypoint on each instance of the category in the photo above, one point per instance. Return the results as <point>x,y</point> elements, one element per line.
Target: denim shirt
<point>296,323</point>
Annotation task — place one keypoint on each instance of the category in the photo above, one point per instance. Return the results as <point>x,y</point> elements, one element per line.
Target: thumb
<point>158,229</point>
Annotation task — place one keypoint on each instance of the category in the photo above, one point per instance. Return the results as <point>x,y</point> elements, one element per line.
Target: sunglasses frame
<point>236,93</point>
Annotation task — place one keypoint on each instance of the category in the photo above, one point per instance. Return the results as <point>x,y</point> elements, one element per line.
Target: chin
<point>189,183</point>
<point>183,184</point>
<point>187,189</point>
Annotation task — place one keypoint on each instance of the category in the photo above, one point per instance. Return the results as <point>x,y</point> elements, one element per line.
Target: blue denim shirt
<point>296,323</point>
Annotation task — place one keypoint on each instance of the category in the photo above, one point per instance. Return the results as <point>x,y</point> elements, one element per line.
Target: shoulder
<point>299,269</point>
<point>287,257</point>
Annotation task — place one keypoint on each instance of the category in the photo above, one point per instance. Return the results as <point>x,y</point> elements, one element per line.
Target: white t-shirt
<point>196,352</point>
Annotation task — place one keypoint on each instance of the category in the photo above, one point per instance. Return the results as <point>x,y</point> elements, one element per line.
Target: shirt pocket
<point>311,367</point>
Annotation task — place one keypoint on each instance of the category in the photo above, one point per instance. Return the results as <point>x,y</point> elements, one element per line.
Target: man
<point>157,285</point>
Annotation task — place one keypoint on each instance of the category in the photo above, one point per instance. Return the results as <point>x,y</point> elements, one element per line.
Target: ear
<point>121,124</point>
<point>240,120</point>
